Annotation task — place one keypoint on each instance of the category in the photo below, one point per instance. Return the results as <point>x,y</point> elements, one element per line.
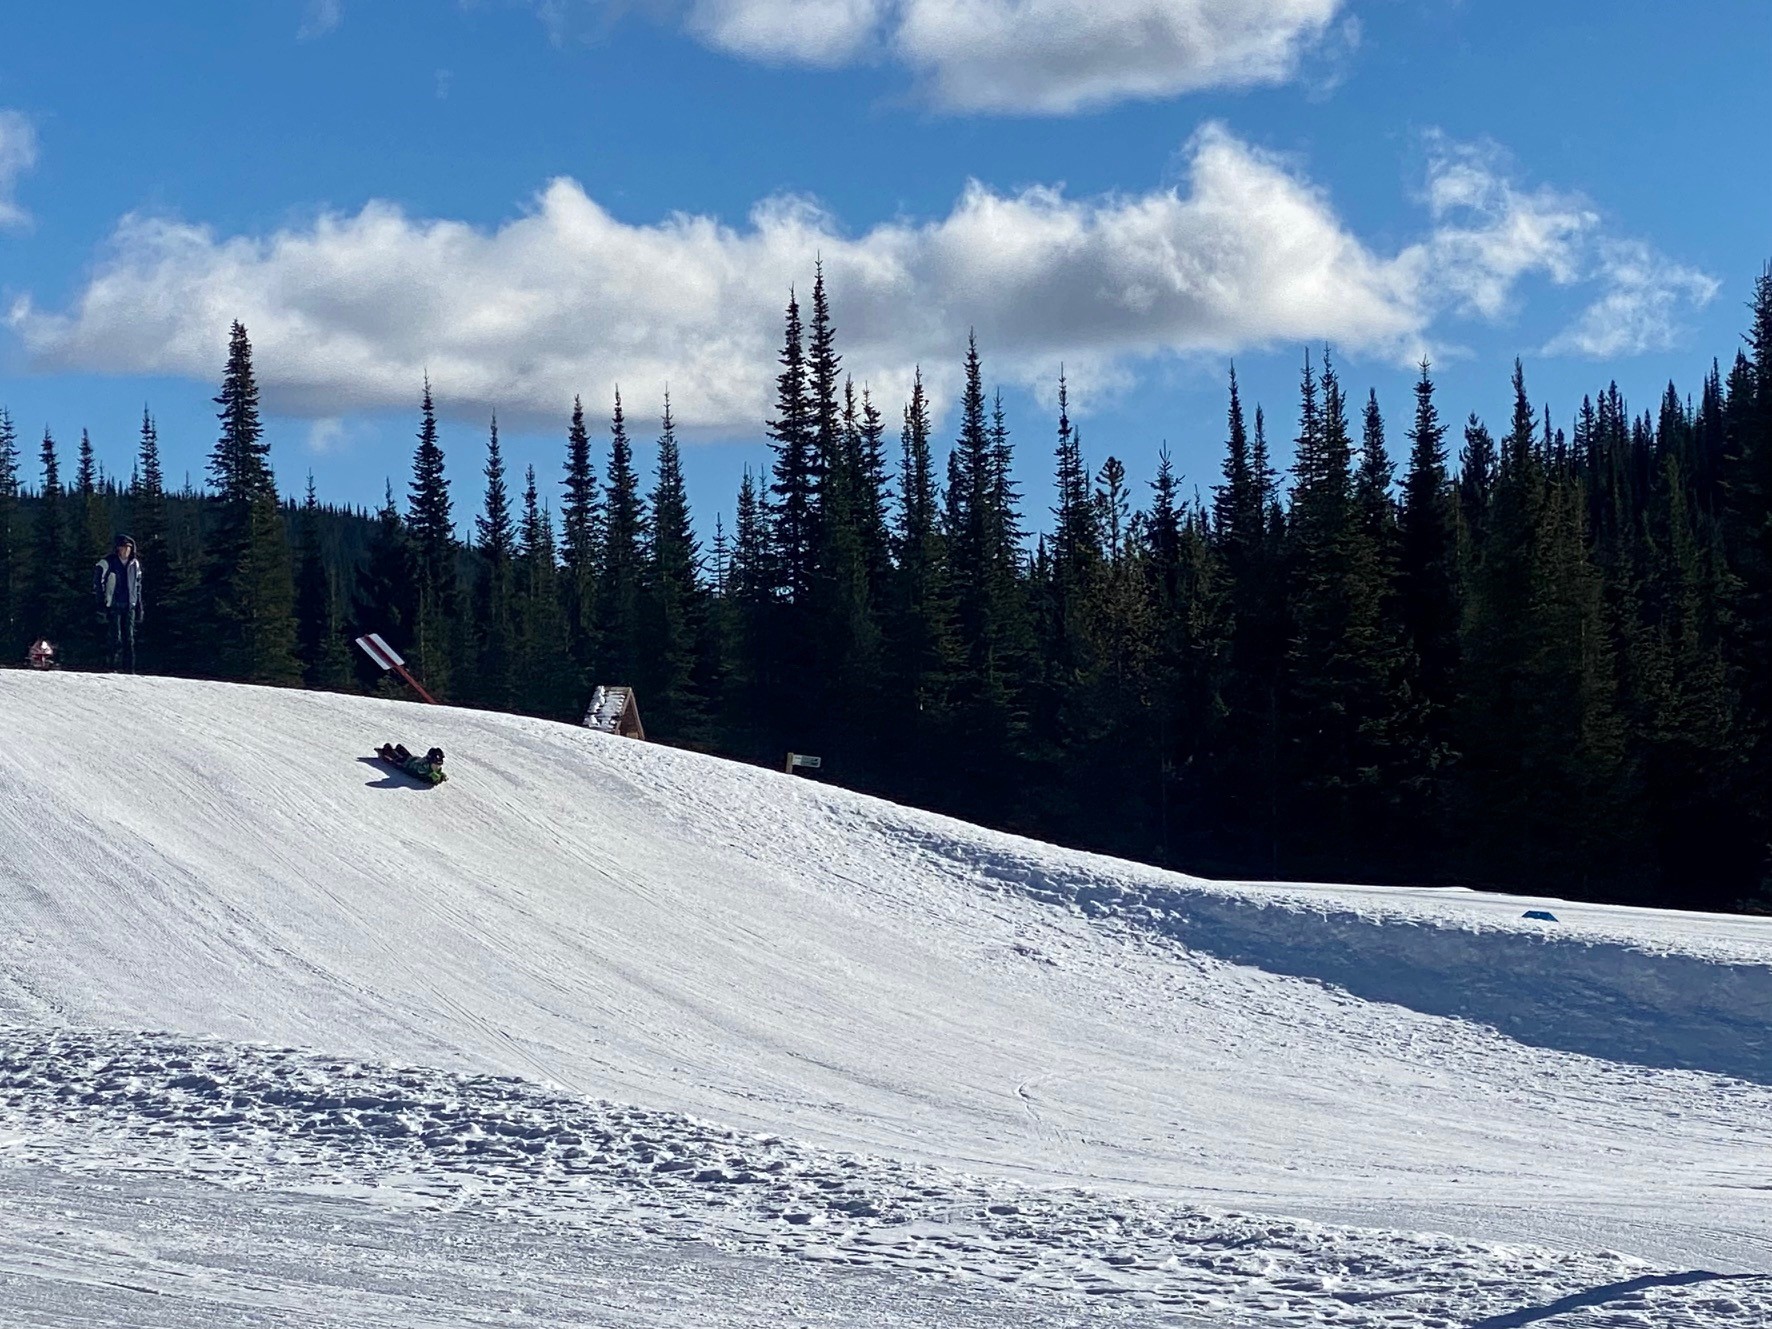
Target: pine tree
<point>581,521</point>
<point>51,600</point>
<point>618,592</point>
<point>1330,685</point>
<point>319,644</point>
<point>12,632</point>
<point>1372,482</point>
<point>793,510</point>
<point>430,533</point>
<point>95,528</point>
<point>1071,580</point>
<point>991,610</point>
<point>842,684</point>
<point>923,629</point>
<point>493,625</point>
<point>1747,529</point>
<point>822,373</point>
<point>868,498</point>
<point>1476,477</point>
<point>147,516</point>
<point>386,600</point>
<point>546,678</point>
<point>1429,592</point>
<point>1245,542</point>
<point>673,606</point>
<point>249,581</point>
<point>753,614</point>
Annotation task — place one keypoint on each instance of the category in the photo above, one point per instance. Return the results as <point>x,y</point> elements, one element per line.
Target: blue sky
<point>531,199</point>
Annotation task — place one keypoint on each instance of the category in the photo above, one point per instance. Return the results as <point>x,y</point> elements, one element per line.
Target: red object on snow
<point>41,655</point>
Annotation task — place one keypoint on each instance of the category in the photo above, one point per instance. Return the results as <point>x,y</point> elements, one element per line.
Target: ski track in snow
<point>410,1138</point>
<point>936,1052</point>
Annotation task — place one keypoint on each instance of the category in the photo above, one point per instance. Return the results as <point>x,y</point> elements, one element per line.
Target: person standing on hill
<point>117,586</point>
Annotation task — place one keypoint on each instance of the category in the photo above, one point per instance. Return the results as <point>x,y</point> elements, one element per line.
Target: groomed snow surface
<point>601,1033</point>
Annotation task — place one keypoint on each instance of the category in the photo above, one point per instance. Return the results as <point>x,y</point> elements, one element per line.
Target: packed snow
<point>602,1033</point>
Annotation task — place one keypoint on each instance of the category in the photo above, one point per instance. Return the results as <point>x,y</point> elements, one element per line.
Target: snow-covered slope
<point>869,999</point>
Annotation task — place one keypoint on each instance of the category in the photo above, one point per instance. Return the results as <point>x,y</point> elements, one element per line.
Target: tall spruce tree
<point>52,603</point>
<point>618,590</point>
<point>430,531</point>
<point>249,582</point>
<point>12,643</point>
<point>147,517</point>
<point>1747,529</point>
<point>319,644</point>
<point>386,600</point>
<point>547,683</point>
<point>673,607</point>
<point>991,609</point>
<point>793,433</point>
<point>495,538</point>
<point>1429,594</point>
<point>581,522</point>
<point>922,616</point>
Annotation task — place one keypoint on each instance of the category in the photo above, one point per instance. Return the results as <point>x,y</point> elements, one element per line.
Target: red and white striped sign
<point>379,651</point>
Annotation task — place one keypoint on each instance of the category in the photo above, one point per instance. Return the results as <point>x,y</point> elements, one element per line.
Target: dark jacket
<point>118,585</point>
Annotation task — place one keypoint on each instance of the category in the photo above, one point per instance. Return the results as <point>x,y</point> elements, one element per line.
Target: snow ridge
<point>1569,989</point>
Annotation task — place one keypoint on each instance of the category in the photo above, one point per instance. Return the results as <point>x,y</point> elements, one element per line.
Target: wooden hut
<point>615,710</point>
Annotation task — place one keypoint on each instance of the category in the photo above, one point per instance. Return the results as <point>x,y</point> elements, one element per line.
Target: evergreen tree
<point>1372,483</point>
<point>547,682</point>
<point>581,521</point>
<point>495,537</point>
<point>319,644</point>
<point>618,591</point>
<point>1338,705</point>
<point>95,526</point>
<point>991,610</point>
<point>673,605</point>
<point>823,371</point>
<point>843,683</point>
<point>12,633</point>
<point>52,605</point>
<point>1245,543</point>
<point>248,582</point>
<point>868,498</point>
<point>793,434</point>
<point>923,628</point>
<point>1747,528</point>
<point>1476,476</point>
<point>430,533</point>
<point>147,509</point>
<point>1429,593</point>
<point>387,593</point>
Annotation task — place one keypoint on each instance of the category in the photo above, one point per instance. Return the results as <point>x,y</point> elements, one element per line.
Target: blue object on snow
<point>1545,914</point>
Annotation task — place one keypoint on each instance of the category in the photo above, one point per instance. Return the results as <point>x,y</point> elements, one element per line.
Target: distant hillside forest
<point>1538,660</point>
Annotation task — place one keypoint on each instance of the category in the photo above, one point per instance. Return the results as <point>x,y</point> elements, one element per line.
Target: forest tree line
<point>1533,659</point>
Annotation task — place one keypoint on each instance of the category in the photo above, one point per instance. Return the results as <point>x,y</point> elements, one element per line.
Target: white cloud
<point>1039,56</point>
<point>816,32</point>
<point>18,154</point>
<point>1059,56</point>
<point>347,313</point>
<point>1640,309</point>
<point>322,17</point>
<point>1490,232</point>
<point>326,435</point>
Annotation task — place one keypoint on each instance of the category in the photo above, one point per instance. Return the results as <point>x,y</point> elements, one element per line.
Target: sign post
<point>389,659</point>
<point>801,759</point>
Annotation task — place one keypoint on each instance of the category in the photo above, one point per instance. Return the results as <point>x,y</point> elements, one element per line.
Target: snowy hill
<point>607,989</point>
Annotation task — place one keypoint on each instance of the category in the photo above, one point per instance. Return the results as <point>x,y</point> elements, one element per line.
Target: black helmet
<point>120,539</point>
<point>435,756</point>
